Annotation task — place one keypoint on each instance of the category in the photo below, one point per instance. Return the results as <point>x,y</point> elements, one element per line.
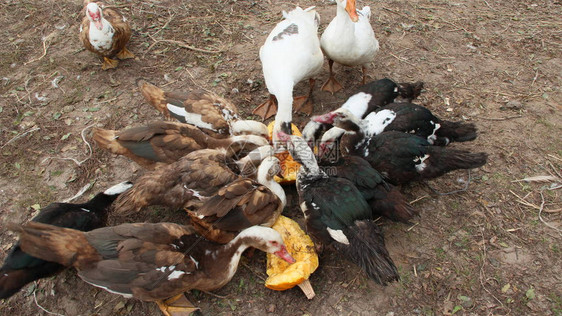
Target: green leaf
<point>57,115</point>
<point>65,136</point>
<point>28,113</point>
<point>178,68</point>
<point>456,309</point>
<point>530,294</point>
<point>464,298</point>
<point>36,207</point>
<point>503,244</point>
<point>17,165</point>
<point>20,88</point>
<point>506,288</point>
<point>1,109</point>
<point>94,109</point>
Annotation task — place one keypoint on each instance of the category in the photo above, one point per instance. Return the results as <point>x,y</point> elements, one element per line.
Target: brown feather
<point>210,106</point>
<point>66,246</point>
<point>185,183</point>
<point>239,205</point>
<point>165,142</point>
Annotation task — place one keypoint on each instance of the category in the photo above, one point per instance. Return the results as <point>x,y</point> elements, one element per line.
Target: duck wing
<point>239,205</point>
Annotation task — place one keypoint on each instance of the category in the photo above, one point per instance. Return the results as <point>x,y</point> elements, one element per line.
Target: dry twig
<point>79,163</point>
<point>20,136</point>
<point>41,307</point>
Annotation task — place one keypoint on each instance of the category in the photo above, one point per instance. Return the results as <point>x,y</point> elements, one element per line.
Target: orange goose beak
<point>285,255</point>
<point>351,10</point>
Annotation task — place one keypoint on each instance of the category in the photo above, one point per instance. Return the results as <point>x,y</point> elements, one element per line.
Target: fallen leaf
<point>119,306</point>
<point>530,294</point>
<point>36,206</point>
<point>506,288</point>
<point>456,309</point>
<point>538,179</point>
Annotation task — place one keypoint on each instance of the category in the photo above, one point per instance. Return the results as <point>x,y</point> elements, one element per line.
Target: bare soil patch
<point>494,249</point>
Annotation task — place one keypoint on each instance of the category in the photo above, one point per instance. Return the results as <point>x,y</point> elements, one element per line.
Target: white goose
<point>348,40</point>
<point>291,53</point>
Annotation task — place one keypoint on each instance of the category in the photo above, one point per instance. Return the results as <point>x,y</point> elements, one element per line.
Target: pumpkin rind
<point>282,275</point>
<point>289,167</point>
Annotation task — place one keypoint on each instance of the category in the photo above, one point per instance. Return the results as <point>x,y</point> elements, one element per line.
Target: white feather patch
<point>190,118</point>
<point>338,236</point>
<point>420,166</point>
<point>432,138</point>
<point>118,188</point>
<point>175,275</point>
<point>357,104</point>
<point>378,121</point>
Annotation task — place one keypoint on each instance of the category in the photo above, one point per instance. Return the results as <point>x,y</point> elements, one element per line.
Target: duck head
<point>329,142</point>
<point>95,15</point>
<point>342,118</point>
<point>301,153</point>
<point>281,127</point>
<point>350,8</point>
<point>268,169</point>
<point>248,164</point>
<point>266,239</point>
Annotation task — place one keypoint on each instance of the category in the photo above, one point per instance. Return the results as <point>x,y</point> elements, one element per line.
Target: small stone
<point>235,91</point>
<point>68,108</point>
<point>271,308</point>
<point>514,105</point>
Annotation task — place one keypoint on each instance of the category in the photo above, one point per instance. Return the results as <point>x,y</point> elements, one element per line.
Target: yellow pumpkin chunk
<point>289,167</point>
<point>282,275</point>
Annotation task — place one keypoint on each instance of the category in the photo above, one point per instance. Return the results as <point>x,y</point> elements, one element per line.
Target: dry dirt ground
<point>494,249</point>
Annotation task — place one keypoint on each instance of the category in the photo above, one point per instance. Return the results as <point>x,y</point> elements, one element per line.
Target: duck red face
<point>285,255</point>
<point>94,14</point>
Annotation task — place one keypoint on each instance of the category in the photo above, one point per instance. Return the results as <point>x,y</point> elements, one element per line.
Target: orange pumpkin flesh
<point>289,167</point>
<point>282,275</point>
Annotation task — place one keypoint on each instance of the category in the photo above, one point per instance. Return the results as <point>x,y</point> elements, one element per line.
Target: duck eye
<point>273,243</point>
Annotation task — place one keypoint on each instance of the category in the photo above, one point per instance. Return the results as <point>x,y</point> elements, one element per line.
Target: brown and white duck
<point>162,142</point>
<point>149,262</point>
<point>241,204</point>
<point>186,183</point>
<point>214,115</point>
<point>105,32</point>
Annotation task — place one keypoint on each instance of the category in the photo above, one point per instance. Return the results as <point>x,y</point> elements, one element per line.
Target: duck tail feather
<point>366,249</point>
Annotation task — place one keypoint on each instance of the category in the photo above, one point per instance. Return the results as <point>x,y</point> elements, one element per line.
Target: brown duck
<point>161,142</point>
<point>214,115</point>
<point>150,262</point>
<point>241,204</point>
<point>105,32</point>
<point>186,183</point>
